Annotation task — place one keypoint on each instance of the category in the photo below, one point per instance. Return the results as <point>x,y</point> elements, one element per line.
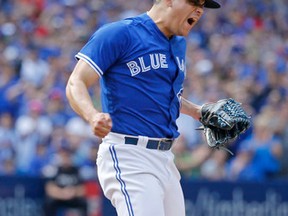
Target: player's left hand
<point>223,122</point>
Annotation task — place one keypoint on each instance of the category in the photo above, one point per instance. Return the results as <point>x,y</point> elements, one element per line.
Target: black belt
<point>161,144</point>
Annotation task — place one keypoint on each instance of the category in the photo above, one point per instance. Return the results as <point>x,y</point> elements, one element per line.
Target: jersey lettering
<point>156,61</point>
<point>163,61</point>
<point>134,68</point>
<point>181,64</point>
<point>153,60</point>
<point>142,63</point>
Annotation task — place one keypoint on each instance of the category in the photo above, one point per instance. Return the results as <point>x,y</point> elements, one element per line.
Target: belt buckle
<point>164,140</point>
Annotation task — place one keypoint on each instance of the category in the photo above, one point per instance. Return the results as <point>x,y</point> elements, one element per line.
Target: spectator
<point>41,160</point>
<point>65,189</point>
<point>259,156</point>
<point>55,109</point>
<point>8,167</point>
<point>33,69</point>
<point>8,79</point>
<point>189,160</point>
<point>26,143</point>
<point>214,166</point>
<point>88,166</point>
<point>7,144</point>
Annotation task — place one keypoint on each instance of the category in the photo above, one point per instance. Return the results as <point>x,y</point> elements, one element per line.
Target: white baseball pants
<point>139,181</point>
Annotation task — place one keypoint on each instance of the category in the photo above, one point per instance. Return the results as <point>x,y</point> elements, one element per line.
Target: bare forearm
<point>79,99</point>
<point>190,109</point>
<point>81,79</point>
<point>54,191</point>
<point>80,191</point>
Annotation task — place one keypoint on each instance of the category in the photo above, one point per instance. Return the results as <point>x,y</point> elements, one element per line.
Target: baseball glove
<point>223,122</point>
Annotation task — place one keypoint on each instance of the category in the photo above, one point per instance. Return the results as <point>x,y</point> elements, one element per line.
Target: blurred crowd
<point>239,51</point>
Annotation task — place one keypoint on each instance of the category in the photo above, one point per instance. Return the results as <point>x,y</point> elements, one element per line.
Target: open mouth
<point>191,21</point>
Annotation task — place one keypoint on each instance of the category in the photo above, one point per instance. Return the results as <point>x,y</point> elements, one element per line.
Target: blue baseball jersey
<point>142,74</point>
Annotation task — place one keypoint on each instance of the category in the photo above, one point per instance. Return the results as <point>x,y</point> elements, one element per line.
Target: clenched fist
<point>101,124</point>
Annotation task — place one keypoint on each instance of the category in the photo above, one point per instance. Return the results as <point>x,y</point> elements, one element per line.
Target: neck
<point>157,14</point>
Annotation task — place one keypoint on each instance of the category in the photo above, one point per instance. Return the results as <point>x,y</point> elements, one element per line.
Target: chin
<point>184,33</point>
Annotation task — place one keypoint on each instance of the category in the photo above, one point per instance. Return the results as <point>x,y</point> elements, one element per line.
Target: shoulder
<point>115,26</point>
<point>111,30</point>
<point>113,33</point>
<point>121,26</point>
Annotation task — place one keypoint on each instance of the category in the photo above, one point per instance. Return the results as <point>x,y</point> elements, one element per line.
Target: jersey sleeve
<point>105,47</point>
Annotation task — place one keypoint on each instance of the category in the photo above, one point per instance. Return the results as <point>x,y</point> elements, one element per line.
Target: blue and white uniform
<point>142,73</point>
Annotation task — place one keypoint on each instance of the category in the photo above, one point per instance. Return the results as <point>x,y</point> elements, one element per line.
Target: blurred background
<point>238,51</point>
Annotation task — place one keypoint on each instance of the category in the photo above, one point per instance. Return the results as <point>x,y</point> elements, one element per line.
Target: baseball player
<point>140,63</point>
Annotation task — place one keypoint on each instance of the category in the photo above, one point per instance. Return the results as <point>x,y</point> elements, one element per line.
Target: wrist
<point>200,113</point>
<point>89,115</point>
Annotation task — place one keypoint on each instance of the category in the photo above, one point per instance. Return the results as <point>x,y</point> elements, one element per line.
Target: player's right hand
<point>101,124</point>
